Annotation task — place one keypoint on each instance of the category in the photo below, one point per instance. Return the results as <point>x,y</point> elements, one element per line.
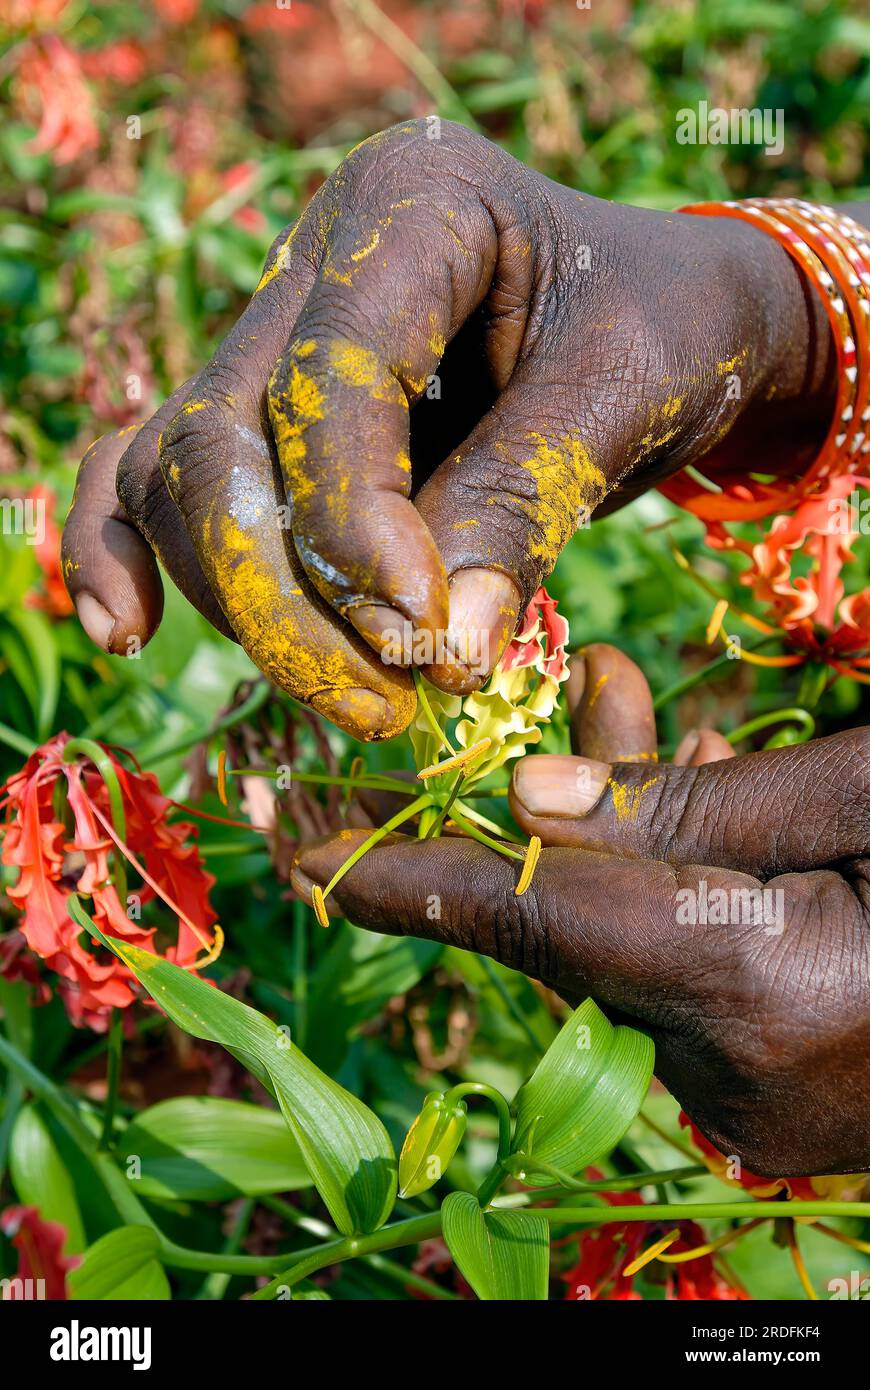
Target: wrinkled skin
<point>581,348</point>
<point>308,496</point>
<point>762,1037</point>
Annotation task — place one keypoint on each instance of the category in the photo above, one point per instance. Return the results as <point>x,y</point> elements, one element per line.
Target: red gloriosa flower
<point>59,835</point>
<point>40,1253</point>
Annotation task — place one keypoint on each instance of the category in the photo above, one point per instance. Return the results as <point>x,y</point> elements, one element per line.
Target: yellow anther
<point>460,759</point>
<point>319,905</point>
<point>650,1254</point>
<point>222,776</point>
<point>715,624</point>
<point>532,855</point>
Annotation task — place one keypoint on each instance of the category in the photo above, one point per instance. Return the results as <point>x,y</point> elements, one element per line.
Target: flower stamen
<point>319,905</point>
<point>533,854</point>
<point>458,760</point>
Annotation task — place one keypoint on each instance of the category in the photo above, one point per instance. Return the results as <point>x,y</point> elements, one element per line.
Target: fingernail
<point>360,712</point>
<point>550,784</point>
<point>302,886</point>
<point>96,620</point>
<point>385,629</point>
<point>686,747</point>
<point>316,863</point>
<point>484,610</point>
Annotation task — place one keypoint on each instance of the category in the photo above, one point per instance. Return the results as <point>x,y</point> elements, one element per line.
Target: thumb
<point>781,810</point>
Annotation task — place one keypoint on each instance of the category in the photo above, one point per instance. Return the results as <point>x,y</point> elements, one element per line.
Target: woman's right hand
<point>534,351</point>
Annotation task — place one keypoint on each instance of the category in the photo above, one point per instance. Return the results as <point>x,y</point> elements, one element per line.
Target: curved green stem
<point>701,1211</point>
<point>484,839</point>
<point>711,669</point>
<point>392,824</point>
<point>434,828</point>
<point>794,715</point>
<point>113,1077</point>
<point>625,1183</point>
<point>332,1252</point>
<point>494,1179</point>
<point>429,715</point>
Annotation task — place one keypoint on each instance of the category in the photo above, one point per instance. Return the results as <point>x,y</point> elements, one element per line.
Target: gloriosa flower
<point>519,697</point>
<point>59,834</point>
<point>51,84</point>
<point>40,1254</point>
<point>810,610</point>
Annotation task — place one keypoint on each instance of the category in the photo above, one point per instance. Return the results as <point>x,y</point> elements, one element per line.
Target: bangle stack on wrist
<point>833,252</point>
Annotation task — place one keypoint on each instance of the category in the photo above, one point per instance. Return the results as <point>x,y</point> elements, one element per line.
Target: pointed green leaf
<point>40,1177</point>
<point>203,1148</point>
<point>345,1147</point>
<point>122,1265</point>
<point>584,1092</point>
<point>503,1254</point>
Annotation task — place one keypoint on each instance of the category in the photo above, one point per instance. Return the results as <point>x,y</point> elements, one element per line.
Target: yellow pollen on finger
<point>367,250</point>
<point>626,800</point>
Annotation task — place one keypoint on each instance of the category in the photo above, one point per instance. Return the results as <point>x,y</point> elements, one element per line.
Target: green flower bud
<point>430,1144</point>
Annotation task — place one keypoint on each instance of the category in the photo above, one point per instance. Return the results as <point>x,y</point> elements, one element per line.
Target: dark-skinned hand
<point>760,1033</point>
<point>449,364</point>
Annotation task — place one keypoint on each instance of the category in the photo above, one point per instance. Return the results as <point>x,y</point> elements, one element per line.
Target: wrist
<point>785,372</point>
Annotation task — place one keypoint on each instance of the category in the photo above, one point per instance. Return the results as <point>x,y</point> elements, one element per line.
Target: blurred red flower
<point>248,217</point>
<point>51,86</point>
<point>54,598</point>
<point>122,61</point>
<point>40,1255</point>
<point>177,11</point>
<point>606,1254</point>
<point>55,861</point>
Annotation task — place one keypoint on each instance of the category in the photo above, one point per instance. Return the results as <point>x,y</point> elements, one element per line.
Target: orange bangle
<point>806,503</point>
<point>834,253</point>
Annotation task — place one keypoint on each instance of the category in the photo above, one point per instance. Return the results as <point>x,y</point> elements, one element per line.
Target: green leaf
<point>359,974</point>
<point>502,1254</point>
<point>202,1148</point>
<point>122,1265</point>
<point>584,1092</point>
<point>40,1178</point>
<point>345,1147</point>
<point>43,686</point>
